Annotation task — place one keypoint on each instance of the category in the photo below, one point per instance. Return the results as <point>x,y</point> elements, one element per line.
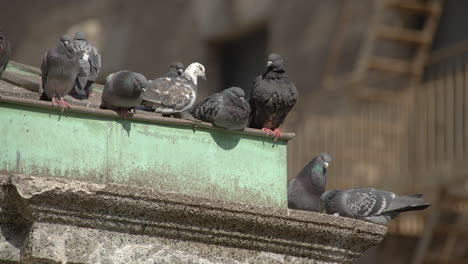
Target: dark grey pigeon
<point>123,91</point>
<point>59,69</point>
<point>370,204</point>
<point>168,95</point>
<point>5,52</point>
<point>273,96</point>
<point>305,189</point>
<point>90,66</point>
<point>227,109</point>
<point>175,69</point>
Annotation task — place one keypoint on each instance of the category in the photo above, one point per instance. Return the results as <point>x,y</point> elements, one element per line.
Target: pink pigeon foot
<point>54,102</point>
<point>63,104</point>
<point>267,131</point>
<point>277,133</point>
<point>123,112</point>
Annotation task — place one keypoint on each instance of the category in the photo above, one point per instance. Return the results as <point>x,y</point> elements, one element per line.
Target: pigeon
<point>305,189</point>
<point>90,65</point>
<point>273,96</point>
<point>5,52</point>
<point>123,91</point>
<point>168,95</point>
<point>59,69</point>
<point>371,205</point>
<point>175,69</point>
<point>227,109</point>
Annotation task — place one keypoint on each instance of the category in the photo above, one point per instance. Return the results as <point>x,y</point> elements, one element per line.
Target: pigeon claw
<point>267,131</point>
<point>123,112</point>
<point>63,104</point>
<point>277,133</point>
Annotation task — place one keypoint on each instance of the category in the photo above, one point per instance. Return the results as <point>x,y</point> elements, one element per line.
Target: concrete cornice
<point>142,211</point>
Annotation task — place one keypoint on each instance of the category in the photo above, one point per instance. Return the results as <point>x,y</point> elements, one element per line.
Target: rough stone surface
<point>50,220</point>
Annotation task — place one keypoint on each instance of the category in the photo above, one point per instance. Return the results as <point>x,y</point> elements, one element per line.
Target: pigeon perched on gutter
<point>370,204</point>
<point>90,65</point>
<point>168,95</point>
<point>5,52</point>
<point>305,189</point>
<point>227,109</point>
<point>273,96</point>
<point>123,91</point>
<point>59,69</point>
<point>175,69</point>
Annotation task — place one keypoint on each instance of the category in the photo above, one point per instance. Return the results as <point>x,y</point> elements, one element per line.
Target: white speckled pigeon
<point>175,69</point>
<point>370,204</point>
<point>273,96</point>
<point>305,189</point>
<point>90,65</point>
<point>169,95</point>
<point>59,69</point>
<point>5,52</point>
<point>227,109</point>
<point>123,91</point>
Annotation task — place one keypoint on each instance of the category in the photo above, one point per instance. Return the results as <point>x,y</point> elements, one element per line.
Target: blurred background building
<point>383,86</point>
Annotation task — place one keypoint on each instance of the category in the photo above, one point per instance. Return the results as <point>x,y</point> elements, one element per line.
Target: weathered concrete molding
<point>51,220</point>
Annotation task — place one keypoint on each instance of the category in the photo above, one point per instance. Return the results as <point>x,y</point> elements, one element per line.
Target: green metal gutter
<point>145,150</point>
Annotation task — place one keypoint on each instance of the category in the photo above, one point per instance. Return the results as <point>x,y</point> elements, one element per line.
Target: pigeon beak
<point>204,77</point>
<point>180,71</point>
<point>269,63</point>
<point>325,164</point>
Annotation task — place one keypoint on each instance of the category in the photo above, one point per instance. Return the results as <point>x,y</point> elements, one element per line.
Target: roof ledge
<point>60,220</point>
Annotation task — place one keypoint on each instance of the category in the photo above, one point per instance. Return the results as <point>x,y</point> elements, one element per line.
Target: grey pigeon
<point>370,204</point>
<point>5,52</point>
<point>59,69</point>
<point>227,109</point>
<point>175,69</point>
<point>90,65</point>
<point>273,96</point>
<point>168,95</point>
<point>123,91</point>
<point>305,189</point>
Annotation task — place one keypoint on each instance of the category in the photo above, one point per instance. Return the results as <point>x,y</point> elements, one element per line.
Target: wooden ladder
<point>422,39</point>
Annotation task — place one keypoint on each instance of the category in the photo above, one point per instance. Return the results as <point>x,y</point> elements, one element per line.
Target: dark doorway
<point>242,59</point>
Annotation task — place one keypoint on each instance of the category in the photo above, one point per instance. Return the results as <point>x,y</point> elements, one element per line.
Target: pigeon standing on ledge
<point>59,69</point>
<point>123,91</point>
<point>305,189</point>
<point>273,96</point>
<point>227,109</point>
<point>175,69</point>
<point>5,52</point>
<point>169,95</point>
<point>90,65</point>
<point>370,204</point>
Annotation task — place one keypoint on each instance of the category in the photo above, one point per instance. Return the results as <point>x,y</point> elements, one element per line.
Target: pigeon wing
<point>207,109</point>
<point>364,202</point>
<point>175,93</point>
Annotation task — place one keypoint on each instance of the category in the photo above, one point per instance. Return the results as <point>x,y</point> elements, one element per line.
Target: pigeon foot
<point>63,104</point>
<point>267,131</point>
<point>123,112</point>
<point>277,133</point>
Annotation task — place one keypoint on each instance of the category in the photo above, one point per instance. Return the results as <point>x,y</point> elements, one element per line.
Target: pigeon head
<point>65,38</point>
<point>321,163</point>
<point>141,83</point>
<point>275,63</point>
<point>80,36</point>
<point>177,66</point>
<point>194,71</point>
<point>325,197</point>
<point>236,91</point>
